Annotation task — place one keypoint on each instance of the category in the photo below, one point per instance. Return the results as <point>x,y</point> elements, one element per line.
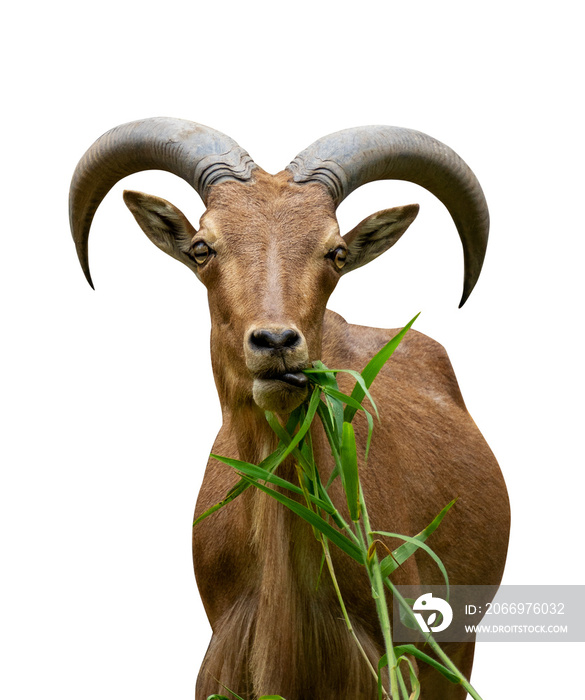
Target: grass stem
<point>378,593</point>
<point>325,544</point>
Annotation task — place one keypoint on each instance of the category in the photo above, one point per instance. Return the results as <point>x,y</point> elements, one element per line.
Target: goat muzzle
<point>275,356</point>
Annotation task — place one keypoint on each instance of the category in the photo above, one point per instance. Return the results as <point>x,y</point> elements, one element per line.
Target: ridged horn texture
<point>351,158</point>
<point>200,155</point>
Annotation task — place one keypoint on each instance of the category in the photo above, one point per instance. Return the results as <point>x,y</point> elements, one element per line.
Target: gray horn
<point>198,154</point>
<point>351,158</point>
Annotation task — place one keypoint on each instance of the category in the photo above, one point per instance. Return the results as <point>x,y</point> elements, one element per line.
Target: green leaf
<point>223,697</point>
<point>306,457</point>
<point>421,545</point>
<point>406,618</point>
<point>321,375</point>
<point>344,398</point>
<point>314,519</point>
<point>286,438</point>
<point>306,424</point>
<point>364,387</point>
<point>329,426</point>
<point>349,471</point>
<point>323,378</point>
<point>418,654</point>
<point>281,433</point>
<point>356,375</point>
<point>255,472</point>
<point>381,664</point>
<point>233,493</point>
<point>402,553</point>
<point>414,681</point>
<point>370,371</point>
<point>334,444</point>
<point>270,463</point>
<point>335,408</point>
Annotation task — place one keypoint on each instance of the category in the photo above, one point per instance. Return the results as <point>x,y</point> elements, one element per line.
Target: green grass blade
<point>291,424</point>
<point>286,438</point>
<point>325,380</point>
<point>402,553</point>
<point>274,459</point>
<point>306,458</point>
<point>211,510</point>
<point>421,656</point>
<point>407,616</point>
<point>281,433</point>
<point>335,407</point>
<point>223,697</point>
<point>356,375</point>
<point>316,520</point>
<point>321,375</point>
<point>233,493</point>
<point>361,382</point>
<point>421,545</point>
<point>349,471</point>
<point>254,472</point>
<point>328,421</point>
<point>370,371</point>
<point>381,664</point>
<point>270,463</point>
<point>305,425</point>
<point>414,681</point>
<point>344,398</point>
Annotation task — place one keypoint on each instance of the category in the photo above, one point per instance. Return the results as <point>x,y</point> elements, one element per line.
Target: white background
<point>108,403</point>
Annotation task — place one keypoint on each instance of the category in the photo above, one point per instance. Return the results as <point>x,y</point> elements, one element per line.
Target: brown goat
<point>270,253</point>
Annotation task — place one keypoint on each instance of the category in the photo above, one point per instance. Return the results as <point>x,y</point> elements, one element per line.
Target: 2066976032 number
<point>525,608</point>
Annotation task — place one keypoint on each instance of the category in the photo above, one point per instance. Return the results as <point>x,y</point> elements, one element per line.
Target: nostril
<point>275,340</point>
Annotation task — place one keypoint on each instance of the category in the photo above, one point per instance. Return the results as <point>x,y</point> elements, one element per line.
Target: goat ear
<point>166,226</point>
<point>374,235</point>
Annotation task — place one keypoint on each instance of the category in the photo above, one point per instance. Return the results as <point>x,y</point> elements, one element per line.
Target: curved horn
<point>351,158</point>
<point>198,154</point>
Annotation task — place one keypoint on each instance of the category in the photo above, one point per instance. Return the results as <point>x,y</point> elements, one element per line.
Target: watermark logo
<point>433,604</point>
<point>489,613</point>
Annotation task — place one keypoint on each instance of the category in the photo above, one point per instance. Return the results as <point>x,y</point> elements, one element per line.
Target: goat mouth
<point>281,392</point>
<point>293,377</point>
<point>296,379</point>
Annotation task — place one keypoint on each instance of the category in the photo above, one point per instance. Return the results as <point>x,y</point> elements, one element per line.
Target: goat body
<point>270,253</point>
<point>291,637</point>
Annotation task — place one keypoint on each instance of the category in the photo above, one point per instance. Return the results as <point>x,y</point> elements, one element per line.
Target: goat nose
<point>275,340</point>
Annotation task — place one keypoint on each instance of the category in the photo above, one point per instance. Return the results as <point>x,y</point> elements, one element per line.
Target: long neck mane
<point>297,619</point>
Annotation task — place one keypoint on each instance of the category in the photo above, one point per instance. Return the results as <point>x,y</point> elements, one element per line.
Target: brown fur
<point>257,565</point>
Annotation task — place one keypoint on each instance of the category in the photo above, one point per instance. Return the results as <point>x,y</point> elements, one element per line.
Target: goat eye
<point>339,256</point>
<point>200,252</point>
